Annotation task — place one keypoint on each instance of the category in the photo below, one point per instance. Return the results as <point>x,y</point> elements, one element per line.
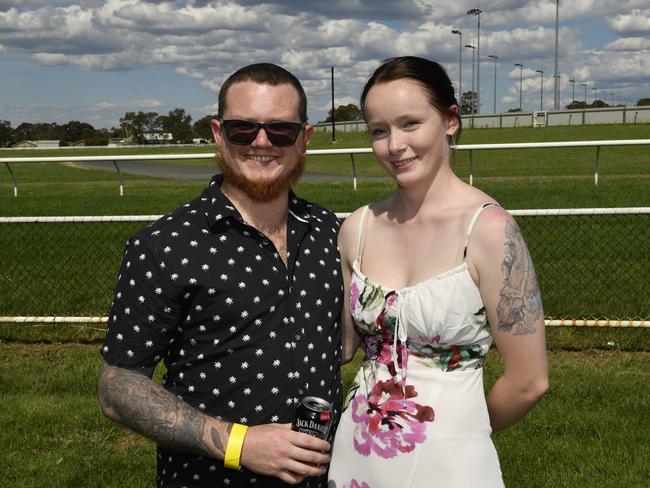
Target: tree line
<point>134,125</point>
<point>132,129</point>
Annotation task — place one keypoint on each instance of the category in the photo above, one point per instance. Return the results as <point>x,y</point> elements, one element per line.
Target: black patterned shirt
<point>242,335</point>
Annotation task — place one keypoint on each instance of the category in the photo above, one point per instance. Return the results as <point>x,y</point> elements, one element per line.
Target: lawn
<point>590,430</point>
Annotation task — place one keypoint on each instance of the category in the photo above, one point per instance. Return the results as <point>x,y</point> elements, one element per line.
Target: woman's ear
<point>453,121</point>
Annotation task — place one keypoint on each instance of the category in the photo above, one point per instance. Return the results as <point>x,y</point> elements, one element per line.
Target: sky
<point>93,61</point>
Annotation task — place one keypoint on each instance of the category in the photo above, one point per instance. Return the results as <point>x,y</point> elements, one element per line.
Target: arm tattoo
<point>137,402</point>
<point>520,303</point>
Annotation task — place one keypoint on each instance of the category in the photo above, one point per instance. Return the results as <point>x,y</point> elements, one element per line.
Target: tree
<point>39,131</point>
<point>345,113</point>
<point>202,127</point>
<point>512,110</point>
<point>642,102</point>
<point>469,103</point>
<point>134,125</point>
<point>5,133</point>
<point>576,105</point>
<point>75,131</point>
<point>178,122</point>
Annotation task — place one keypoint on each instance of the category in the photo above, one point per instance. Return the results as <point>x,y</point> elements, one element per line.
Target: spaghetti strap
<point>472,222</point>
<point>361,237</point>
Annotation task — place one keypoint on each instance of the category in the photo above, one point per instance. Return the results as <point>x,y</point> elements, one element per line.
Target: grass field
<point>592,428</point>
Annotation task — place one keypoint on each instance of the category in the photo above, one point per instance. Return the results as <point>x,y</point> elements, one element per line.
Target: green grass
<point>590,429</point>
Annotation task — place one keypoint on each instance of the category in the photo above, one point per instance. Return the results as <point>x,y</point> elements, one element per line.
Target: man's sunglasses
<point>244,132</point>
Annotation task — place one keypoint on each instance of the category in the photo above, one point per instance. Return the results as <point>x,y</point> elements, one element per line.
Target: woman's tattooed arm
<point>520,303</point>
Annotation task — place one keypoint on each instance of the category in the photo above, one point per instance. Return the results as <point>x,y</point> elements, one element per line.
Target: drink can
<point>313,417</point>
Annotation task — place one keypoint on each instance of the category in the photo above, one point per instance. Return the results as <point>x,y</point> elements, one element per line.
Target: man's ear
<point>307,132</point>
<point>215,125</point>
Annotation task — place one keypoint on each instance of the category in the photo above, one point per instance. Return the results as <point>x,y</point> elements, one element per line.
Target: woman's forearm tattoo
<point>520,303</point>
<point>147,408</point>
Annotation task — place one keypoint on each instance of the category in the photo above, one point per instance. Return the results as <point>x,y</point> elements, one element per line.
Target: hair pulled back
<point>430,75</point>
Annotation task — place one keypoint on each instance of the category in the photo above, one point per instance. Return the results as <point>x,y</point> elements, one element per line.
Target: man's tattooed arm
<point>520,303</point>
<point>132,399</point>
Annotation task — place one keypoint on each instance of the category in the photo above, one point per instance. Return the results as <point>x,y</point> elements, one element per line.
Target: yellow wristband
<point>234,446</point>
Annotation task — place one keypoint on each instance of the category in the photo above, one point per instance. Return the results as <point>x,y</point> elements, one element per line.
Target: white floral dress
<point>416,415</point>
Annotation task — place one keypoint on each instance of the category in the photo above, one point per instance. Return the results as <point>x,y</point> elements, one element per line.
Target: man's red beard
<point>261,190</point>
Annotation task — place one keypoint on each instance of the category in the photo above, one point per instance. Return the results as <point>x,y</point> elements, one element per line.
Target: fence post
<point>597,165</point>
<point>624,110</point>
<point>354,172</point>
<point>13,177</point>
<point>469,169</point>
<point>119,173</point>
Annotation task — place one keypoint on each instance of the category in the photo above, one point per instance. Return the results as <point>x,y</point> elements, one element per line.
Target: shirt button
<point>297,337</point>
<point>301,391</point>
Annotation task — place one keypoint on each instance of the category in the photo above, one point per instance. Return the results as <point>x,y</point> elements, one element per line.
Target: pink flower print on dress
<point>430,339</point>
<point>354,297</point>
<point>387,423</point>
<point>356,484</point>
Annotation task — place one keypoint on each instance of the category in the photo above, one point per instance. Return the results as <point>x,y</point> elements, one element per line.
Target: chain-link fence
<point>589,267</point>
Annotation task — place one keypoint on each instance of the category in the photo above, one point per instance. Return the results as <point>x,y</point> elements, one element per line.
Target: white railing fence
<point>115,159</point>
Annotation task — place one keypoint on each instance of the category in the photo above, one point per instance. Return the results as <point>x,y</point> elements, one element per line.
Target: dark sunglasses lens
<point>283,134</point>
<point>240,131</point>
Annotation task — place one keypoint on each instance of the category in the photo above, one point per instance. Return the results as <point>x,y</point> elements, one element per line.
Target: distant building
<point>117,141</point>
<point>200,140</point>
<point>41,144</point>
<point>157,138</point>
<point>24,145</point>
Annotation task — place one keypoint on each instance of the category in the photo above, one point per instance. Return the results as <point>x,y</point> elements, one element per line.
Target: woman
<point>433,274</point>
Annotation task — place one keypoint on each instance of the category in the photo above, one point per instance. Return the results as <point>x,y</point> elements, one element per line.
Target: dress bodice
<point>441,319</point>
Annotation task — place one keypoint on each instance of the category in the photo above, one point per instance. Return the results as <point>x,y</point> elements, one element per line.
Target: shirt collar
<point>218,209</point>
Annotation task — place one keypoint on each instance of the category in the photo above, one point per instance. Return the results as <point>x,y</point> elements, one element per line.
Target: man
<point>239,292</point>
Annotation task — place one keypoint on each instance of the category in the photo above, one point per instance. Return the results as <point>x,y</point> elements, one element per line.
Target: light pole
<point>333,109</point>
<point>521,79</point>
<point>460,68</point>
<point>556,86</point>
<point>573,90</point>
<point>474,95</point>
<point>585,85</point>
<point>595,93</point>
<point>495,57</point>
<point>541,87</point>
<point>477,12</point>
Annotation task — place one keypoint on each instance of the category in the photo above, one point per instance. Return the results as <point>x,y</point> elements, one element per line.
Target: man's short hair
<point>264,73</point>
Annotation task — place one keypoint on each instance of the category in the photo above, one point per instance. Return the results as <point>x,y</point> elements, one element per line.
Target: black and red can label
<point>313,417</point>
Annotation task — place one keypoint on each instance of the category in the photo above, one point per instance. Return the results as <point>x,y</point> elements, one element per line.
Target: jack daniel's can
<point>313,417</point>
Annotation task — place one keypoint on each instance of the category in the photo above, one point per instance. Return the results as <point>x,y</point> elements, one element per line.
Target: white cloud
<point>184,70</point>
<point>628,44</point>
<point>637,22</point>
<point>166,17</point>
<point>130,104</point>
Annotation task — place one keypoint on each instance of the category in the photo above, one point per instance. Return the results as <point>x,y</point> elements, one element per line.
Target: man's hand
<point>276,450</point>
